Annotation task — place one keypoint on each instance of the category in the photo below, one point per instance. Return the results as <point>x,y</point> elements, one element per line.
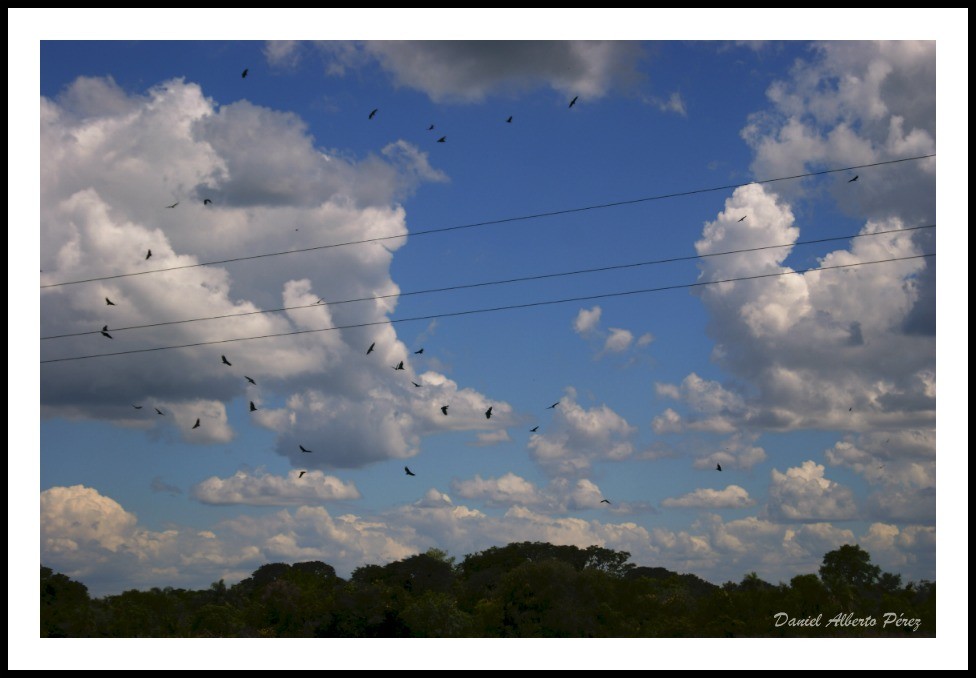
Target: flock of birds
<point>399,366</point>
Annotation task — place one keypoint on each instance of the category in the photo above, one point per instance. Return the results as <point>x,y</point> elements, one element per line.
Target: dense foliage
<point>527,589</point>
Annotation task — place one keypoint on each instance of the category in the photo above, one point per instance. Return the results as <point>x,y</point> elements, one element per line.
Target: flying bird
<point>415,384</point>
<point>109,302</point>
<point>250,380</point>
<point>418,352</point>
<point>244,74</point>
<point>225,361</point>
<point>373,113</point>
<point>488,413</point>
<point>105,332</point>
<point>148,254</point>
<point>718,467</point>
<point>253,407</point>
<point>851,181</point>
<point>169,207</point>
<point>743,219</point>
<point>207,201</point>
<point>304,450</point>
<point>301,473</point>
<point>850,409</point>
<point>409,472</point>
<point>158,412</point>
<point>573,102</point>
<point>399,366</point>
<point>509,119</point>
<point>604,501</point>
<point>431,127</point>
<point>371,347</point>
<point>534,429</point>
<point>138,407</point>
<point>444,409</point>
<point>197,425</point>
<point>553,406</point>
<point>442,140</point>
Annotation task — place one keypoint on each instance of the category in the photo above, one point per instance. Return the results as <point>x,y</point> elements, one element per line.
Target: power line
<point>452,288</point>
<point>493,222</point>
<point>494,309</point>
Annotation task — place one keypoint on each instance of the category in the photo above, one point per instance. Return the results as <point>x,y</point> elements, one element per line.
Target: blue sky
<point>815,392</point>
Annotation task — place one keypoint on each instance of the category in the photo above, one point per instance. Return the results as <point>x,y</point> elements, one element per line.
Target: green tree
<point>848,574</point>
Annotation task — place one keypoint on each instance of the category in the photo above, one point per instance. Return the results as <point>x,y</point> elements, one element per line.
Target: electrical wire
<point>453,288</point>
<point>455,314</point>
<point>493,222</point>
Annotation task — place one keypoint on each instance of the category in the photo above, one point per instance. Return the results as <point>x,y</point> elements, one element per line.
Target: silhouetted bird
<point>207,201</point>
<point>138,407</point>
<point>488,413</point>
<point>244,74</point>
<point>442,140</point>
<point>148,254</point>
<point>371,347</point>
<point>415,384</point>
<point>418,352</point>
<point>431,127</point>
<point>533,429</point>
<point>718,467</point>
<point>573,102</point>
<point>444,409</point>
<point>604,501</point>
<point>250,380</point>
<point>373,113</point>
<point>224,360</point>
<point>109,302</point>
<point>301,473</point>
<point>743,219</point>
<point>409,472</point>
<point>169,207</point>
<point>197,425</point>
<point>253,407</point>
<point>553,406</point>
<point>509,119</point>
<point>850,181</point>
<point>304,450</point>
<point>158,412</point>
<point>399,366</point>
<point>105,332</point>
<point>850,409</point>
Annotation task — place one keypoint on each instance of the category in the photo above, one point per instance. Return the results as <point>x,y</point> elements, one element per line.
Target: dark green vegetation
<point>520,590</point>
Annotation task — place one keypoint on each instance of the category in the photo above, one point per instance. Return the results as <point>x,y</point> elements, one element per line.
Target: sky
<point>369,176</point>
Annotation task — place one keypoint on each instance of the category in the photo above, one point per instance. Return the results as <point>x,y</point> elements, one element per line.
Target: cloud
<point>618,341</point>
<point>507,490</point>
<point>158,485</point>
<point>673,104</point>
<point>110,164</point>
<point>587,320</point>
<point>492,438</point>
<point>283,53</point>
<point>433,499</point>
<point>731,497</point>
<point>856,103</point>
<point>803,494</point>
<point>471,71</point>
<point>717,409</point>
<point>263,489</point>
<point>790,337</point>
<point>578,436</point>
<point>91,538</point>
<point>560,496</point>
<point>737,452</point>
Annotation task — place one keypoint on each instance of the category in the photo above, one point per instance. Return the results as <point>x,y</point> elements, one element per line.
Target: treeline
<point>526,589</point>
